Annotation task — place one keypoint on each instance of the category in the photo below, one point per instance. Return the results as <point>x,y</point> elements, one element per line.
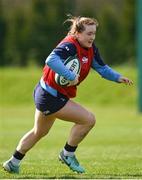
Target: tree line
<point>28,35</point>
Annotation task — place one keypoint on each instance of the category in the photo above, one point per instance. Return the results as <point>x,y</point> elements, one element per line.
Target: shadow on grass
<point>80,176</point>
<point>46,175</point>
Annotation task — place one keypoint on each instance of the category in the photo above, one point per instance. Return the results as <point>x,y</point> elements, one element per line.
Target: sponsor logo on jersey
<point>67,48</point>
<point>84,59</point>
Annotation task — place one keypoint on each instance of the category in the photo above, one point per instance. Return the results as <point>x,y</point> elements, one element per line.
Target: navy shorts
<point>47,103</point>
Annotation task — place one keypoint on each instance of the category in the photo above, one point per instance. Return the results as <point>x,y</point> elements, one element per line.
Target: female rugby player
<point>54,101</point>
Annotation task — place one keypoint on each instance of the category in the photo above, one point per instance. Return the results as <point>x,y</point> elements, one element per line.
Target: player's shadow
<point>85,176</point>
<point>47,176</point>
<point>95,176</point>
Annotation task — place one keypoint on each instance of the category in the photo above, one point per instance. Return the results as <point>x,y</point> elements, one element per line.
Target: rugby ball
<point>73,64</point>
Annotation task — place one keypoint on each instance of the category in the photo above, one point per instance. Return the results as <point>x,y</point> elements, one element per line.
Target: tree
<point>108,35</point>
<point>48,17</point>
<point>3,29</point>
<point>128,31</point>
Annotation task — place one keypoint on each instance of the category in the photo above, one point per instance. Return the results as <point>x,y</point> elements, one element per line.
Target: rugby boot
<point>10,167</point>
<point>71,162</point>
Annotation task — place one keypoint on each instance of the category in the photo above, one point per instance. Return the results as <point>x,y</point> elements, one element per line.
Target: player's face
<point>87,37</point>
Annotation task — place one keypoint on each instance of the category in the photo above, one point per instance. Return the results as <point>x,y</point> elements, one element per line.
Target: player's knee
<point>91,120</point>
<point>39,133</point>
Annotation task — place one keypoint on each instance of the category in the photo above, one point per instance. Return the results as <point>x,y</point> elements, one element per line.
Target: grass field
<point>111,150</point>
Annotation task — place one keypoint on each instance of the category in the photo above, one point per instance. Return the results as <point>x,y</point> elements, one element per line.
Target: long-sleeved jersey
<point>89,58</point>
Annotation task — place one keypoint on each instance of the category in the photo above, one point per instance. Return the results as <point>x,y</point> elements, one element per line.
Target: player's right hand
<point>75,81</point>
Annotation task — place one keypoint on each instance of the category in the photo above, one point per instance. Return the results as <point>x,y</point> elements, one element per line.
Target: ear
<point>77,34</point>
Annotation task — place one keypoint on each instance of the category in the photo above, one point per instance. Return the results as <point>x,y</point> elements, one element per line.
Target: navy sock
<point>70,148</point>
<point>18,155</point>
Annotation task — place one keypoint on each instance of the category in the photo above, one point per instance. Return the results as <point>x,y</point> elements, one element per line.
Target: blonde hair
<point>77,23</point>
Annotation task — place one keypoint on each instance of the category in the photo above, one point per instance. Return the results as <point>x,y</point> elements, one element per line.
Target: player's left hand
<point>125,80</point>
<point>75,81</point>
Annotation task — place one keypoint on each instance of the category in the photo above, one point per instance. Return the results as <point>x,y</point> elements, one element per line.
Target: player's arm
<point>107,72</point>
<point>56,58</point>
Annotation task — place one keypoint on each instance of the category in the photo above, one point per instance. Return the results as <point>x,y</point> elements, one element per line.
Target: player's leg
<point>84,122</point>
<point>41,127</point>
<point>83,119</point>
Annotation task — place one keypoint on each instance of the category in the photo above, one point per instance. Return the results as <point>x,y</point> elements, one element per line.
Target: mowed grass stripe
<point>111,150</point>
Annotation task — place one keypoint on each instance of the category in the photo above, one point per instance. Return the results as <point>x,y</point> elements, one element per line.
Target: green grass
<point>111,150</point>
<point>17,86</point>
